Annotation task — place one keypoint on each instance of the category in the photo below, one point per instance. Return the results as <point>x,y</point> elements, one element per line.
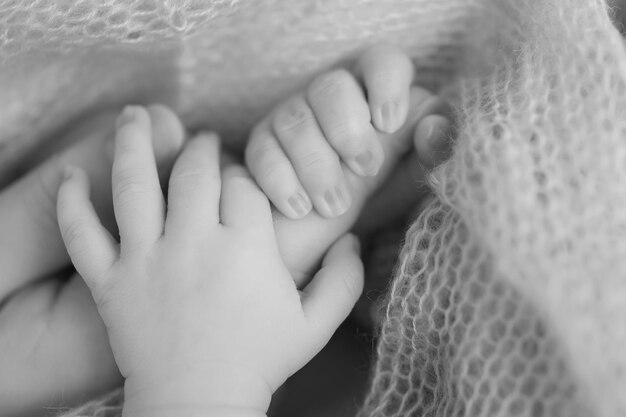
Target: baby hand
<point>295,154</point>
<point>201,312</point>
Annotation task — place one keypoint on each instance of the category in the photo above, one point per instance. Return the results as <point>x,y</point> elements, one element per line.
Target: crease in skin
<point>395,146</point>
<point>48,313</point>
<point>32,200</point>
<point>38,301</point>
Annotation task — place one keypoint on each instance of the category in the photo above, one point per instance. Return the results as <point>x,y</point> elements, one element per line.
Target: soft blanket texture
<point>509,298</point>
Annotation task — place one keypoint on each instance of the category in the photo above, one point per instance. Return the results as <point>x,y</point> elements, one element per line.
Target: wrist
<point>203,391</point>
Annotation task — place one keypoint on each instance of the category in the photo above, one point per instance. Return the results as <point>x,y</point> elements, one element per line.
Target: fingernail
<point>128,115</point>
<point>337,201</point>
<point>389,117</point>
<point>300,204</point>
<point>367,163</point>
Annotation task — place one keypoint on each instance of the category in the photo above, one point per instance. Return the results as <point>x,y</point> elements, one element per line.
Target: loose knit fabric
<point>222,64</point>
<point>509,297</point>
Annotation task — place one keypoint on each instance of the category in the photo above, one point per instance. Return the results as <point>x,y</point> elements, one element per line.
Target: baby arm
<point>203,317</point>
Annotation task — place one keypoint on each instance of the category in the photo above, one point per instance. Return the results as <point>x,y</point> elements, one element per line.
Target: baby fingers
<point>295,165</point>
<point>92,249</point>
<point>274,173</point>
<point>343,114</point>
<point>137,196</point>
<point>387,73</point>
<point>194,187</point>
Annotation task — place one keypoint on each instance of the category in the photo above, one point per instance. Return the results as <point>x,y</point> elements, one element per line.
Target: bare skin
<point>63,315</point>
<point>65,308</point>
<point>54,346</point>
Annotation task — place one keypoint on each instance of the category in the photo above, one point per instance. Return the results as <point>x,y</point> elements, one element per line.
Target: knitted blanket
<point>509,298</point>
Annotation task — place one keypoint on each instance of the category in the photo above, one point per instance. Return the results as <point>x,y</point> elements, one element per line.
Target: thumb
<point>334,290</point>
<point>422,103</point>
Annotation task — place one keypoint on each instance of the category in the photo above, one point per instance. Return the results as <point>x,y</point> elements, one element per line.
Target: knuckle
<point>346,135</point>
<point>128,187</point>
<point>262,146</point>
<point>74,232</point>
<point>319,161</point>
<point>329,84</point>
<point>294,117</point>
<point>273,173</point>
<point>380,79</point>
<point>266,163</point>
<point>198,177</point>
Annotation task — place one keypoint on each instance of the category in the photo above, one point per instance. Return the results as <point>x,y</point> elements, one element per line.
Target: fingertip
<point>334,202</point>
<point>133,125</point>
<point>75,175</point>
<point>169,133</point>
<point>390,115</point>
<point>131,114</point>
<point>369,160</point>
<point>348,244</point>
<point>68,172</point>
<point>350,240</point>
<point>336,287</point>
<point>72,193</point>
<point>209,139</point>
<point>366,164</point>
<point>347,253</point>
<point>387,73</point>
<point>299,204</point>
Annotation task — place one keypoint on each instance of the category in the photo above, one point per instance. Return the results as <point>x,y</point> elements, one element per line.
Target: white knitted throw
<point>510,294</point>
